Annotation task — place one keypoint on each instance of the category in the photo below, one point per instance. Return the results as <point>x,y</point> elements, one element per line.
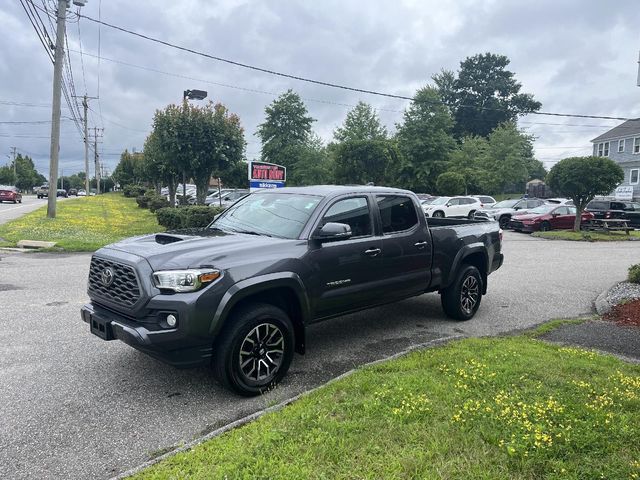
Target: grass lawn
<point>587,236</point>
<point>83,224</point>
<point>512,407</point>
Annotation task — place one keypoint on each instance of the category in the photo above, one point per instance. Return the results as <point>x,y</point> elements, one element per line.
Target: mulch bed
<point>625,314</point>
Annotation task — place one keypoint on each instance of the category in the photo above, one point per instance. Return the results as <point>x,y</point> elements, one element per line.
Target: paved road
<point>9,211</point>
<point>73,406</point>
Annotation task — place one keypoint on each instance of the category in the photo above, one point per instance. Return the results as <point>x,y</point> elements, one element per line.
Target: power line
<point>318,82</point>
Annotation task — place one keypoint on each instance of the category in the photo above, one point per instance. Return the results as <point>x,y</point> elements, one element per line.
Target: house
<point>622,145</point>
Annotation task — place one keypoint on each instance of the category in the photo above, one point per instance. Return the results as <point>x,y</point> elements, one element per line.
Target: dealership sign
<point>266,175</point>
<point>624,193</point>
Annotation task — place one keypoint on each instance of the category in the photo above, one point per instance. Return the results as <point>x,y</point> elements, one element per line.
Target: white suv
<point>452,207</point>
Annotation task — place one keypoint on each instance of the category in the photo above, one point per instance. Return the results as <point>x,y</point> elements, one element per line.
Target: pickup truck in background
<point>240,293</point>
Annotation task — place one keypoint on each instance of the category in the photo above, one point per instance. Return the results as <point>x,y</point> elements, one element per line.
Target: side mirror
<point>332,232</point>
<point>447,205</point>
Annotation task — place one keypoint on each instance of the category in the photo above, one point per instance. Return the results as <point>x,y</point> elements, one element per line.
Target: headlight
<point>185,280</point>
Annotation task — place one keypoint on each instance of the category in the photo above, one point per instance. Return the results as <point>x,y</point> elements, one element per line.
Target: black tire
<point>504,221</point>
<point>461,299</point>
<point>471,214</point>
<point>438,214</point>
<point>545,226</point>
<point>249,326</point>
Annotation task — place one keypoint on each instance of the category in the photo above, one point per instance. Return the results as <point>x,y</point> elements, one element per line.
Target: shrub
<point>634,273</point>
<point>149,196</point>
<point>133,190</point>
<point>186,217</point>
<point>198,216</point>
<point>157,202</point>
<point>169,218</point>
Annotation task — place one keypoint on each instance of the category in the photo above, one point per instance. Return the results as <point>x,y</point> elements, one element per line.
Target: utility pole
<point>55,110</point>
<point>85,104</point>
<point>15,170</point>
<point>96,158</point>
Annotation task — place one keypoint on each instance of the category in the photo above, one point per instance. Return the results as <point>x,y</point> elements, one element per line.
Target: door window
<point>561,211</point>
<point>454,202</point>
<point>352,211</point>
<point>397,213</point>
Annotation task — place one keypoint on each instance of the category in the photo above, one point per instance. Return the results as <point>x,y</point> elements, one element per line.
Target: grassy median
<point>514,407</point>
<point>83,224</point>
<point>588,236</point>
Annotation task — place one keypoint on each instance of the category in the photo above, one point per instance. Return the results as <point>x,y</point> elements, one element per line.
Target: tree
<point>362,123</point>
<point>285,131</point>
<point>451,183</point>
<point>191,141</point>
<point>130,169</point>
<point>7,176</point>
<point>470,161</point>
<point>483,95</point>
<point>424,140</point>
<point>582,178</point>
<point>363,161</point>
<point>27,176</point>
<point>314,166</point>
<point>508,158</point>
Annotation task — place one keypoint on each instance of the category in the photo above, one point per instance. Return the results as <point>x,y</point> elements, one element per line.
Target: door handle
<point>372,252</point>
<point>420,245</point>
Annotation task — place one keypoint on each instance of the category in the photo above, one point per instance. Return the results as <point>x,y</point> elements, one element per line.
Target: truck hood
<point>199,248</point>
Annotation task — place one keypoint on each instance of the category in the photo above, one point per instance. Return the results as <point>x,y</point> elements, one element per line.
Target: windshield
<point>506,203</point>
<point>272,214</point>
<point>543,209</point>
<point>440,201</point>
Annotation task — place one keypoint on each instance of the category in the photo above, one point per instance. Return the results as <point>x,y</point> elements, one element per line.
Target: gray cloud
<point>574,56</point>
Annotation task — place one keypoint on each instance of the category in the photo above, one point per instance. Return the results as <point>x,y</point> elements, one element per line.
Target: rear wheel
<point>461,299</point>
<point>471,215</point>
<point>438,214</point>
<point>255,349</point>
<point>545,226</point>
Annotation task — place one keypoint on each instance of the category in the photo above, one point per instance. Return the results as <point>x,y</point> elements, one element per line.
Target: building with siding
<point>622,145</point>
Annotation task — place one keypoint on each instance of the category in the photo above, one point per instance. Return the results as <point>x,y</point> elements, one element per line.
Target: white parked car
<point>452,207</point>
<point>213,199</point>
<point>230,198</point>
<point>486,200</point>
<point>502,211</point>
<point>82,193</point>
<point>560,201</point>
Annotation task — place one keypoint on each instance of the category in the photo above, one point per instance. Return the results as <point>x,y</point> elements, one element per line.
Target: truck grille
<point>120,287</point>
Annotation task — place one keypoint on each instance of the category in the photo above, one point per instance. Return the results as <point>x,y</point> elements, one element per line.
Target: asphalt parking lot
<point>74,406</point>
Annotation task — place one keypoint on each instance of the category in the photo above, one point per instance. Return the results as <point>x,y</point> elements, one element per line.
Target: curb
<point>601,303</point>
<point>280,406</point>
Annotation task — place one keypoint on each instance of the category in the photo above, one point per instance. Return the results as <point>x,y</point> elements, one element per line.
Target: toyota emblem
<point>106,277</point>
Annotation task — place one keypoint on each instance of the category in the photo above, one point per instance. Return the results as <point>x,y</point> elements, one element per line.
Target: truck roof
<point>330,190</point>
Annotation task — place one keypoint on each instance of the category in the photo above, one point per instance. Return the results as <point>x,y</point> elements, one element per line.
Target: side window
<point>454,202</point>
<point>398,213</point>
<point>352,211</point>
<point>533,203</point>
<point>561,211</point>
<point>572,210</point>
<point>520,205</point>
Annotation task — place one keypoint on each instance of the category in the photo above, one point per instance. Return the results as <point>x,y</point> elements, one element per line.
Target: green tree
<point>470,161</point>
<point>286,130</point>
<point>236,175</point>
<point>424,140</point>
<point>195,142</point>
<point>129,169</point>
<point>7,176</point>
<point>314,166</point>
<point>508,158</point>
<point>363,161</point>
<point>27,176</point>
<point>483,95</point>
<point>451,183</point>
<point>362,123</point>
<point>582,178</point>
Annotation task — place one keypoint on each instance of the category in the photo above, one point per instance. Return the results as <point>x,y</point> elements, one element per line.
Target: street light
<point>190,95</point>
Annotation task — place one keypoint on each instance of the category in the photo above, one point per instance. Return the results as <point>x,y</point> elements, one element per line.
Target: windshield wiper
<point>251,232</point>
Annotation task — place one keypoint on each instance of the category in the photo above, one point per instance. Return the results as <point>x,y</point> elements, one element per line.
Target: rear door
<point>562,218</point>
<point>348,273</point>
<point>406,250</point>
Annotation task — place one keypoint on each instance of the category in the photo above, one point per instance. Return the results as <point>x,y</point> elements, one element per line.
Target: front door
<point>348,273</point>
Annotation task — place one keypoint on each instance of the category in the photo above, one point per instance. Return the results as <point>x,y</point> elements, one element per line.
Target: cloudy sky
<point>574,56</point>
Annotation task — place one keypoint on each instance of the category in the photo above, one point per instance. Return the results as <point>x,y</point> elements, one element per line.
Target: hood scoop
<point>164,239</point>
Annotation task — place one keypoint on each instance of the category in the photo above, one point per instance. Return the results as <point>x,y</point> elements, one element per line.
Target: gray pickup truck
<point>239,294</point>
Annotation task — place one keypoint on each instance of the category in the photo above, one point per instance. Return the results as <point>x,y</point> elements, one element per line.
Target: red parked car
<point>547,217</point>
<point>10,194</point>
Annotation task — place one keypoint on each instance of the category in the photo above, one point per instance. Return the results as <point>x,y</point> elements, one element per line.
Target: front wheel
<point>545,226</point>
<point>461,299</point>
<point>438,214</point>
<point>504,221</point>
<point>254,350</point>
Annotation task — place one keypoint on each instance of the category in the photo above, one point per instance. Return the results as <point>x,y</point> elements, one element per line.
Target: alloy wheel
<point>261,352</point>
<point>469,294</point>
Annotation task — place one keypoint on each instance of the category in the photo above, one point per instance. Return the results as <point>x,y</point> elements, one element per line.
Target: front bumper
<point>167,345</point>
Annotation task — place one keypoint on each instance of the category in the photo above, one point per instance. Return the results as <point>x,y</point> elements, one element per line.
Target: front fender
<point>256,285</point>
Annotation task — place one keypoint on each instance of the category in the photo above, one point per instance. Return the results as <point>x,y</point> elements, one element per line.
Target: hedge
<point>634,273</point>
<point>133,191</point>
<point>192,216</point>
